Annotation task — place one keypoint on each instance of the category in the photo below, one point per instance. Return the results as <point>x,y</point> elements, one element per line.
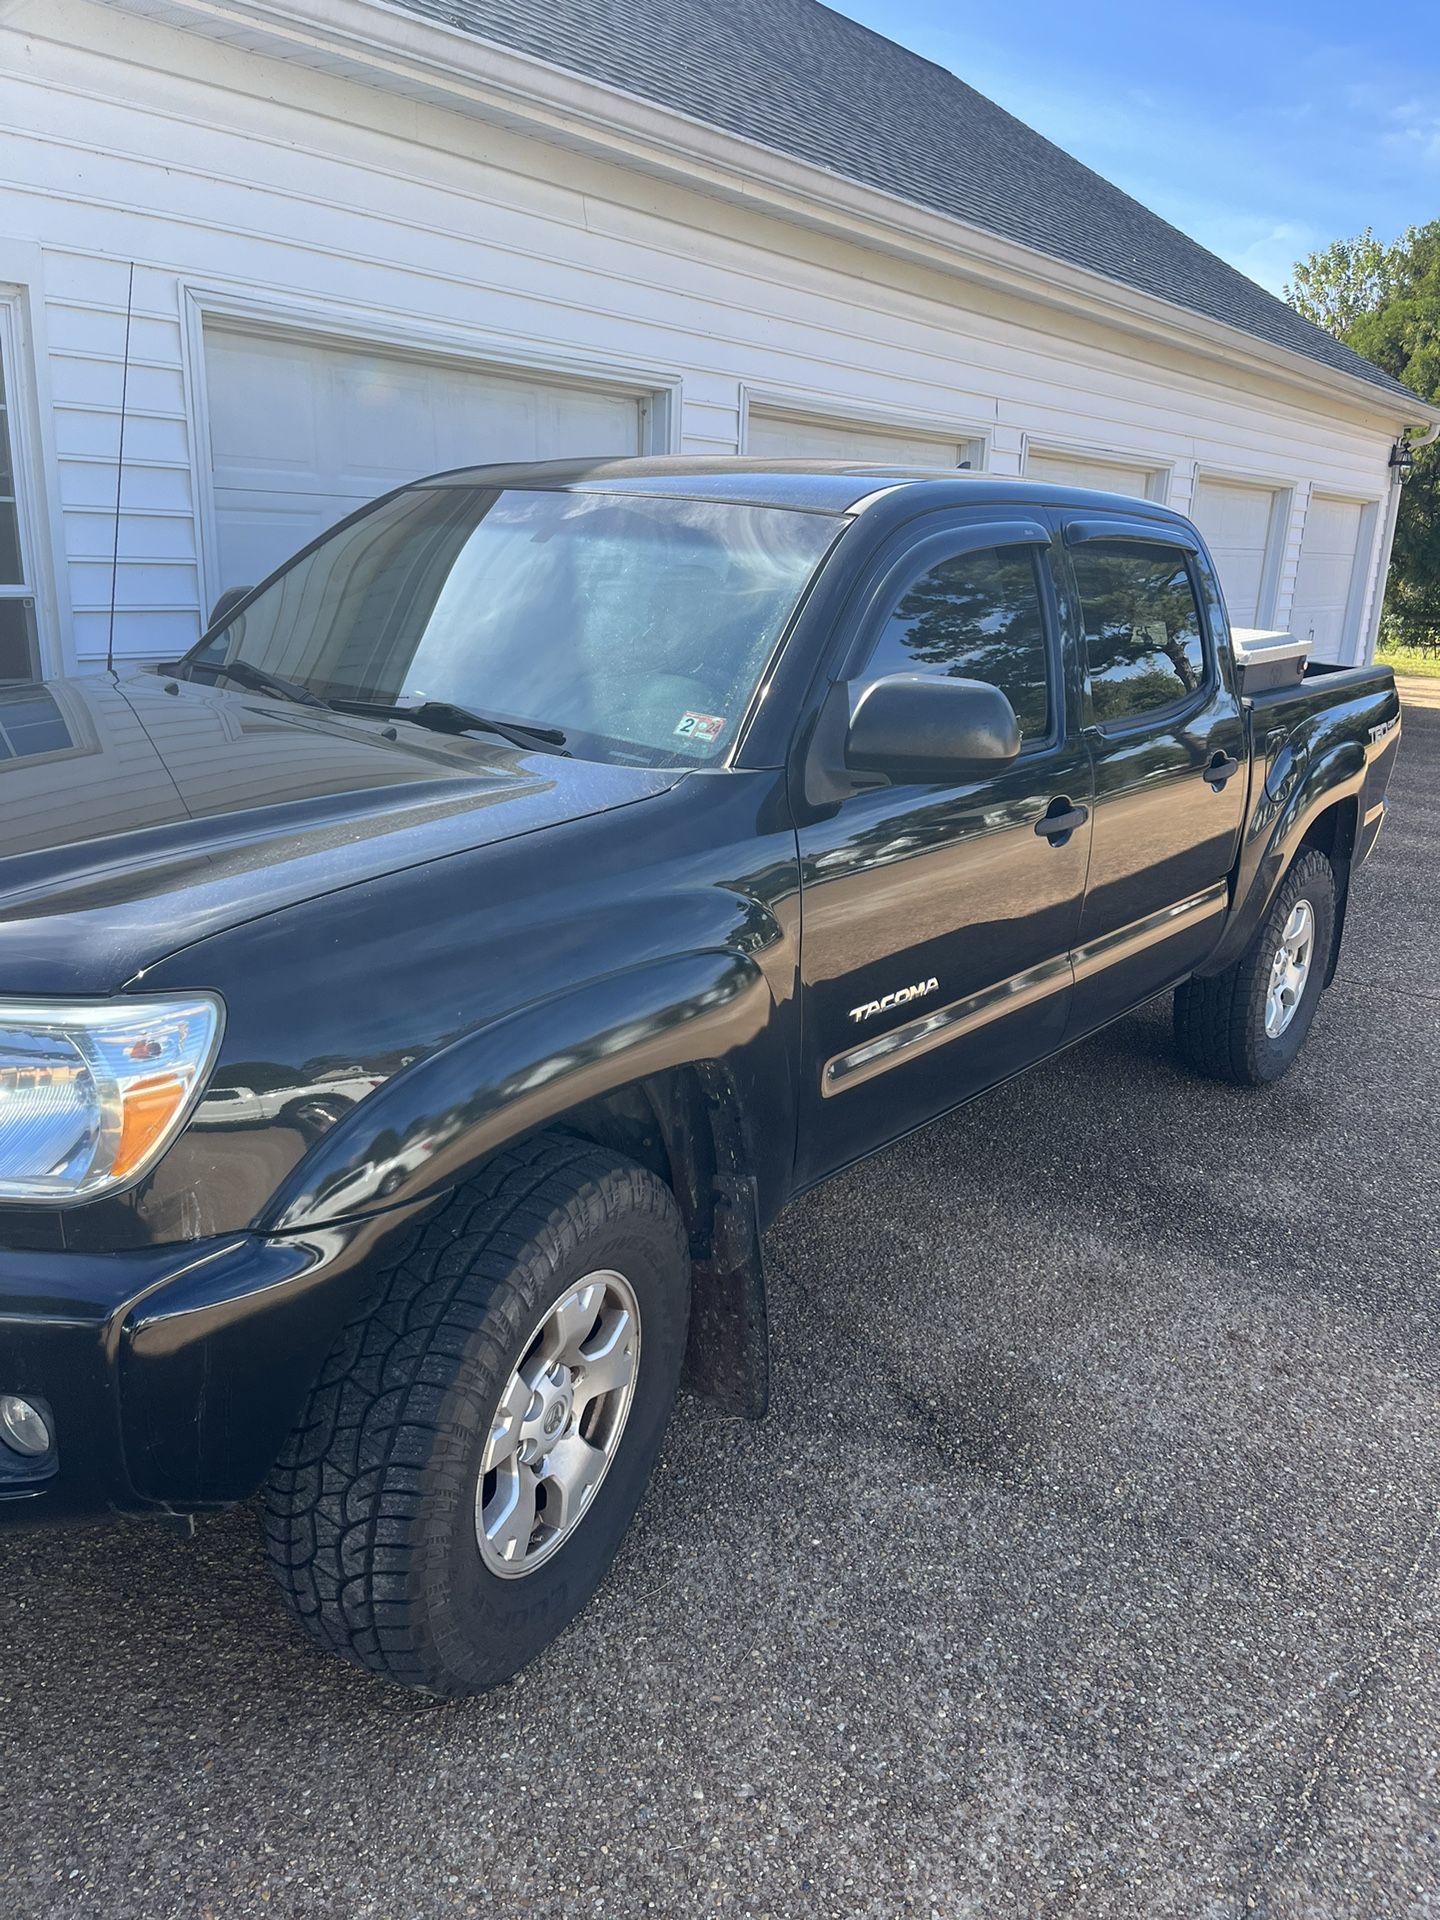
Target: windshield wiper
<point>444,716</point>
<point>258,680</point>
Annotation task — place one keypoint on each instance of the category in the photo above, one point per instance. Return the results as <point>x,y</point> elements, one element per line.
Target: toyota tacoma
<point>416,1001</point>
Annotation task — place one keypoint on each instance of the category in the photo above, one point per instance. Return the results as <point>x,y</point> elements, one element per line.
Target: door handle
<point>1059,821</point>
<point>1222,767</point>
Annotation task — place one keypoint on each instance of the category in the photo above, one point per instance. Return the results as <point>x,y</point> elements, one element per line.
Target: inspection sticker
<point>700,726</point>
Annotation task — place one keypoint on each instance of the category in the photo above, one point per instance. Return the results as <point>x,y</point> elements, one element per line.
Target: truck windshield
<point>632,628</point>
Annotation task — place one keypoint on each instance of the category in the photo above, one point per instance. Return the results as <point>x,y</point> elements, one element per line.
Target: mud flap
<point>1341,869</point>
<point>727,1360</point>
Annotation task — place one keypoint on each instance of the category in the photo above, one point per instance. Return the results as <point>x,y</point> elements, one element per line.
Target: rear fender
<point>1286,812</point>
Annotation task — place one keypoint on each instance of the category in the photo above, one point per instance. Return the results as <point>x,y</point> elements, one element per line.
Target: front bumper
<point>172,1375</point>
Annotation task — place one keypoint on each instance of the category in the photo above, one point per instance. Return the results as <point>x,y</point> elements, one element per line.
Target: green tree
<point>1348,279</point>
<point>1385,303</point>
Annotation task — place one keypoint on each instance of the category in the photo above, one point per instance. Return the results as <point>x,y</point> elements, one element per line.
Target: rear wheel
<point>1247,1024</point>
<point>478,1442</point>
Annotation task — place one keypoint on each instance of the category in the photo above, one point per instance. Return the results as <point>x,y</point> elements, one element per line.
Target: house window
<point>32,726</point>
<point>18,658</point>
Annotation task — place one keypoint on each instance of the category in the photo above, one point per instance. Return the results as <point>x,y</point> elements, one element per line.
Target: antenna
<point>120,471</point>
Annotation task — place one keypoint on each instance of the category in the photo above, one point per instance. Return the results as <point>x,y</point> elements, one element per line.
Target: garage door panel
<point>1242,579</point>
<point>264,415</point>
<point>379,421</point>
<point>258,531</point>
<point>1233,516</point>
<point>304,431</point>
<point>1237,522</point>
<point>1100,476</point>
<point>777,436</point>
<point>1332,525</point>
<point>570,422</point>
<point>1325,576</point>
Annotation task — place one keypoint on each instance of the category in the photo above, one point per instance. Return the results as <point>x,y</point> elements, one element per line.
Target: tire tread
<point>1216,1027</point>
<point>342,1510</point>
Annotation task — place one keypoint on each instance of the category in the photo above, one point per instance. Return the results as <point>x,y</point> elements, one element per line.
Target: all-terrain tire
<point>1220,1022</point>
<point>369,1515</point>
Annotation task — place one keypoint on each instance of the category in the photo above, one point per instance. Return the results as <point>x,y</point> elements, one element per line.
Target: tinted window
<point>976,616</point>
<point>1142,626</point>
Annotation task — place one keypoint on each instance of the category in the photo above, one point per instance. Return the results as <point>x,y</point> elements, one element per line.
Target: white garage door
<point>783,436</point>
<point>1236,521</point>
<point>1325,578</point>
<point>304,431</point>
<point>1077,470</point>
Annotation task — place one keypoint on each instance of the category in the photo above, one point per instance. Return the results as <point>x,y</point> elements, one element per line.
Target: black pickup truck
<point>416,1001</point>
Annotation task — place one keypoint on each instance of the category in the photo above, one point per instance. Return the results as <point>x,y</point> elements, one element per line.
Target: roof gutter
<point>384,46</point>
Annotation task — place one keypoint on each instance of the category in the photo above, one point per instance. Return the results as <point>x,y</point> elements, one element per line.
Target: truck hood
<point>138,815</point>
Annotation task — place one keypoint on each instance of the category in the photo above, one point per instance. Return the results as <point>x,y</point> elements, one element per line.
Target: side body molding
<point>423,1130</point>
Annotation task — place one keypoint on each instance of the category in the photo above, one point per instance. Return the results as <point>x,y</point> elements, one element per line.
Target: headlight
<point>92,1093</point>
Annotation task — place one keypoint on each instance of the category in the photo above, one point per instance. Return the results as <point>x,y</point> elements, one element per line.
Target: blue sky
<point>1263,130</point>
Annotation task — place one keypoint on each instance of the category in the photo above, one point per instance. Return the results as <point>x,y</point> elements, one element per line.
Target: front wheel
<point>1247,1024</point>
<point>481,1437</point>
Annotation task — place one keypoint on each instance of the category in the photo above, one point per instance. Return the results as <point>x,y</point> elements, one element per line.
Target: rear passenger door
<point>1167,743</point>
<point>938,918</point>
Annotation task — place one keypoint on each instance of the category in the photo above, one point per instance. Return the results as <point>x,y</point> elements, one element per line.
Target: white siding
<point>256,191</point>
<point>157,581</point>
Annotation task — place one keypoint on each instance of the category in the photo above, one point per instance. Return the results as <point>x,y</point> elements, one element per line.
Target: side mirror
<point>226,605</point>
<point>917,726</point>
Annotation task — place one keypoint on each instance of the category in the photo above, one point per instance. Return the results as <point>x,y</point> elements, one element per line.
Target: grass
<point>1418,660</point>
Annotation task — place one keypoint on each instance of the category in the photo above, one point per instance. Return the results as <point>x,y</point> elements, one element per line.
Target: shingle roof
<point>801,80</point>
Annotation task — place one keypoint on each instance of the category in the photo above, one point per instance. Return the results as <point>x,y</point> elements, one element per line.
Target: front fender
<point>427,1126</point>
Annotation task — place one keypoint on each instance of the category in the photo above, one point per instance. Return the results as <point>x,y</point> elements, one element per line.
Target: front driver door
<point>938,919</point>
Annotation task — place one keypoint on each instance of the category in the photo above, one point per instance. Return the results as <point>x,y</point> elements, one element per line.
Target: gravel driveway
<point>1087,1564</point>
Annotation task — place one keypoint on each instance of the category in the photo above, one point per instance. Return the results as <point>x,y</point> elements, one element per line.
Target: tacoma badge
<point>896,999</point>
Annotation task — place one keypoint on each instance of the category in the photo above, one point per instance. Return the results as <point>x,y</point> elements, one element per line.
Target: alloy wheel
<point>1290,969</point>
<point>558,1425</point>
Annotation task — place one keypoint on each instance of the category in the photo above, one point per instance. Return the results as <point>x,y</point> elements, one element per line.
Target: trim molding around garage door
<point>1159,472</point>
<point>657,391</point>
<point>825,409</point>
